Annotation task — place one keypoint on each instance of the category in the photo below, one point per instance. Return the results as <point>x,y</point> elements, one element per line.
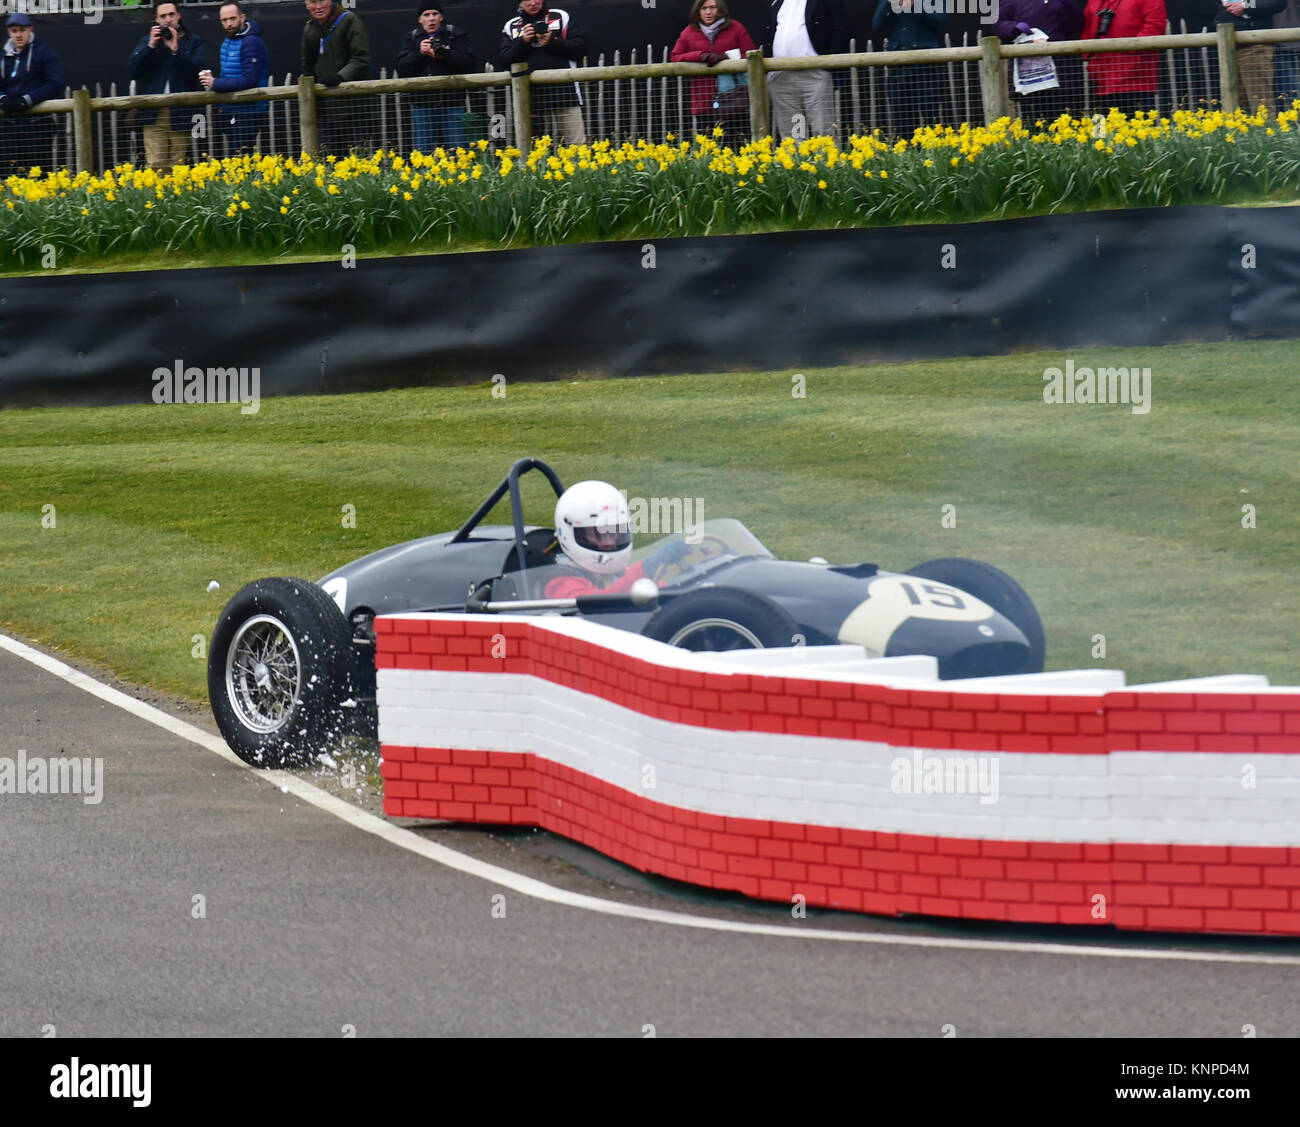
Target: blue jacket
<point>245,64</point>
<point>154,67</point>
<point>34,73</point>
<point>827,23</point>
<point>908,31</point>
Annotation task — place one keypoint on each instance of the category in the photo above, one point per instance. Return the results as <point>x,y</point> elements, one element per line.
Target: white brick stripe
<point>1184,798</point>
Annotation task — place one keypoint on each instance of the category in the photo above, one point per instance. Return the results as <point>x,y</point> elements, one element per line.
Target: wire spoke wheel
<point>280,666</point>
<point>715,619</point>
<point>712,635</point>
<point>263,673</point>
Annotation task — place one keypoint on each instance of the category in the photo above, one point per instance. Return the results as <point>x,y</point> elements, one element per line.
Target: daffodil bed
<point>383,202</point>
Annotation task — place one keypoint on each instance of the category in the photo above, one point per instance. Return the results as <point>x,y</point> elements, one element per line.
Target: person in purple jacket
<point>1059,20</point>
<point>245,65</point>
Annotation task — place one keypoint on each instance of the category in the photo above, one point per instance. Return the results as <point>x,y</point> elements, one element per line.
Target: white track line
<point>527,886</point>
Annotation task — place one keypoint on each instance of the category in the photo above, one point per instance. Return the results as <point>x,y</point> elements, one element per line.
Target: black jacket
<point>566,49</point>
<point>156,68</point>
<point>411,63</point>
<point>33,73</point>
<point>1256,17</point>
<point>827,23</point>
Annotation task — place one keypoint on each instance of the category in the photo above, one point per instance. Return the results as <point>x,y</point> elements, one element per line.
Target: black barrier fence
<point>1116,280</point>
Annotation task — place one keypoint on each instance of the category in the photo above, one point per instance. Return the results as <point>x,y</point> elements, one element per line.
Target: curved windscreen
<point>722,537</point>
<point>708,543</point>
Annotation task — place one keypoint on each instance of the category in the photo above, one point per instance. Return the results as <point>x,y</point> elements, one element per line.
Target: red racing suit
<point>573,584</point>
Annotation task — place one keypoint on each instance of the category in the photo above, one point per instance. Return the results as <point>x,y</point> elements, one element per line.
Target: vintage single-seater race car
<point>291,663</point>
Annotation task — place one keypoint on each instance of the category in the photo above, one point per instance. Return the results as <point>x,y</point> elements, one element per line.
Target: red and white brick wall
<point>771,773</point>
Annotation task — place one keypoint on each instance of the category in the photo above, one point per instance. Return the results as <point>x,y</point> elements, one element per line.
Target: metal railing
<point>643,99</point>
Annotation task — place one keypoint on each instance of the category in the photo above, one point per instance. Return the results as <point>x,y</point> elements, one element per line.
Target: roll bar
<point>510,483</point>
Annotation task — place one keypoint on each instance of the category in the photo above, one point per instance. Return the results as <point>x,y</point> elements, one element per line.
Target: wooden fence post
<point>521,99</point>
<point>760,118</point>
<point>993,83</point>
<point>307,113</point>
<point>1227,34</point>
<point>83,130</point>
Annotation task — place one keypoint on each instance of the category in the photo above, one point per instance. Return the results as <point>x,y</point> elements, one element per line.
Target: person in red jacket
<point>595,535</point>
<point>1126,81</point>
<point>707,38</point>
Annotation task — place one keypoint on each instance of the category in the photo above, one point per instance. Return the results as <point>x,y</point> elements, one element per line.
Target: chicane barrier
<point>855,783</point>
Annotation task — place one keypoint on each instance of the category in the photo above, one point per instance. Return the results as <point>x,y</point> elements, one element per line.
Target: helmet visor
<point>603,537</point>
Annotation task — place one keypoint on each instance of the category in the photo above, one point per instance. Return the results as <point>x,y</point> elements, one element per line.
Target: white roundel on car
<point>896,598</point>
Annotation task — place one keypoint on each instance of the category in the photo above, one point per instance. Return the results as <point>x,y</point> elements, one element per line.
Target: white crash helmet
<point>588,507</point>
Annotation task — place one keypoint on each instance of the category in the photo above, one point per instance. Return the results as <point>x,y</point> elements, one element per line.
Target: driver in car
<point>595,535</point>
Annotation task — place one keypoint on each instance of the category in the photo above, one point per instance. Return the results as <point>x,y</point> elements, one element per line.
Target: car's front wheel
<point>722,618</point>
<point>278,672</point>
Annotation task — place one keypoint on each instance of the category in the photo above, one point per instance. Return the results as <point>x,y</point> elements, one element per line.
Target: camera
<point>1105,18</point>
<point>538,22</point>
<point>167,34</point>
<point>439,45</point>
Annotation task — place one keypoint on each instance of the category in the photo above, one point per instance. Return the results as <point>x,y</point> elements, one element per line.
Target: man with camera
<point>546,39</point>
<point>1126,82</point>
<point>335,49</point>
<point>167,61</point>
<point>435,47</point>
<point>30,72</point>
<point>245,65</point>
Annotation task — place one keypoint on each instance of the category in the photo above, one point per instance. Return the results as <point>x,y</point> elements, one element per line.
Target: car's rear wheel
<point>993,586</point>
<point>722,618</point>
<point>278,672</point>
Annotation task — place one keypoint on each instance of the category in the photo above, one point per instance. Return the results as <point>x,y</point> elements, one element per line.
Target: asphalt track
<point>319,917</point>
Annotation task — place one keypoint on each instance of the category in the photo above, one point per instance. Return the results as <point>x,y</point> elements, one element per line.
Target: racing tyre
<point>995,587</point>
<point>722,618</point>
<point>278,672</point>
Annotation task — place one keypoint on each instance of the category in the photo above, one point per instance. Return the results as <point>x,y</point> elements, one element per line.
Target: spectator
<point>546,39</point>
<point>1059,20</point>
<point>1126,82</point>
<point>1192,86</point>
<point>245,65</point>
<point>914,91</point>
<point>1286,59</point>
<point>803,101</point>
<point>709,34</point>
<point>335,49</point>
<point>166,61</point>
<point>30,72</point>
<point>435,47</point>
<point>1254,62</point>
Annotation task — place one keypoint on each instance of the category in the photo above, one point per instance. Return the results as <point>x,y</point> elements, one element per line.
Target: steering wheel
<point>708,547</point>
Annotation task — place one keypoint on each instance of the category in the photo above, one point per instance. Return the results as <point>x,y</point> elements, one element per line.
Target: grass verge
<point>114,520</point>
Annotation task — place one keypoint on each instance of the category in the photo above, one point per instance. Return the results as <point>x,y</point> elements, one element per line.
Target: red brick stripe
<point>1145,887</point>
